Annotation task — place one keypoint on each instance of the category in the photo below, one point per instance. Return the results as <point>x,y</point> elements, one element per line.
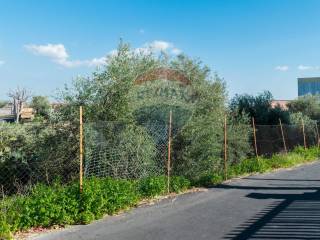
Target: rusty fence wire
<point>270,140</point>
<point>34,153</point>
<point>46,153</point>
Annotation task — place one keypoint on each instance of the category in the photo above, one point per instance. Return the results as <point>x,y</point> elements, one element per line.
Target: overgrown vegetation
<point>128,121</point>
<point>62,204</point>
<point>261,165</point>
<point>258,107</point>
<point>36,152</point>
<point>307,105</point>
<point>41,106</point>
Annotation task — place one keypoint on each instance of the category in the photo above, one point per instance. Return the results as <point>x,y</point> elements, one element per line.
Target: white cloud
<point>159,45</point>
<point>2,62</point>
<point>58,54</point>
<point>283,68</point>
<point>308,68</point>
<point>55,51</point>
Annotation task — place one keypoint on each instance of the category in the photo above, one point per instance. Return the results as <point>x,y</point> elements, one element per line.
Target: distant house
<point>7,114</point>
<point>283,104</point>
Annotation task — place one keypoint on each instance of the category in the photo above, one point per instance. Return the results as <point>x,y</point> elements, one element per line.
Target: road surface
<point>280,205</point>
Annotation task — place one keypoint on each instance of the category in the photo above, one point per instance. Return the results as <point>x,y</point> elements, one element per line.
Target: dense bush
<point>36,152</point>
<point>199,148</point>
<point>120,150</point>
<point>103,196</point>
<point>198,104</point>
<point>258,107</point>
<point>155,186</point>
<point>150,187</point>
<point>307,105</point>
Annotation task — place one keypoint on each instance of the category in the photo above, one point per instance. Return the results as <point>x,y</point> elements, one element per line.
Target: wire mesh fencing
<point>46,153</point>
<point>272,139</point>
<point>34,153</point>
<point>126,150</point>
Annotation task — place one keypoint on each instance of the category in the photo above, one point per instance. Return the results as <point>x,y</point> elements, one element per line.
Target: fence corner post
<point>81,148</point>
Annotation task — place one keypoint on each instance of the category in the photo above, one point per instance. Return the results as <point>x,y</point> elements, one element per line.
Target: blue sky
<point>254,45</point>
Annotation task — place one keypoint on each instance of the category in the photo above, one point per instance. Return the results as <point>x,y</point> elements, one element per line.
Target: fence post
<point>304,135</point>
<point>318,139</point>
<point>81,148</point>
<point>255,137</point>
<point>225,148</point>
<point>283,139</point>
<point>169,151</point>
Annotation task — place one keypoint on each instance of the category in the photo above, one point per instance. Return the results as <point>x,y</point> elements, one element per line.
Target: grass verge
<point>261,165</point>
<point>47,206</point>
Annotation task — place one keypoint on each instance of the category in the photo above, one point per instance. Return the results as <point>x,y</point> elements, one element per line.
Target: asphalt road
<point>280,205</point>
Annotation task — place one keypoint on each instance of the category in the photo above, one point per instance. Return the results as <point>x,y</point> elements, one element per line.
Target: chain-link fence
<point>271,139</point>
<point>46,153</point>
<point>34,153</point>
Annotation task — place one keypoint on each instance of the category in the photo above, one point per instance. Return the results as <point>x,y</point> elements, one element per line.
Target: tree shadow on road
<point>292,216</point>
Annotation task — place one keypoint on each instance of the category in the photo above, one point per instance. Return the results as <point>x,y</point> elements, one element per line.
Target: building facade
<point>308,86</point>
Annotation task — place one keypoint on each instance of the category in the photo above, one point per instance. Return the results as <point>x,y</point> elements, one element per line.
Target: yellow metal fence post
<point>81,149</point>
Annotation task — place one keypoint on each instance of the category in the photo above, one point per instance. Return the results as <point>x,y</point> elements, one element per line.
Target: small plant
<point>179,184</point>
<point>209,180</point>
<point>153,186</point>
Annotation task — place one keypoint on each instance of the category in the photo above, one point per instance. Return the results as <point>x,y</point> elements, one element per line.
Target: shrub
<point>209,180</point>
<point>106,195</point>
<point>31,153</point>
<point>153,186</point>
<point>179,184</point>
<point>60,205</point>
<point>309,154</point>
<point>46,206</point>
<point>251,165</point>
<point>260,165</point>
